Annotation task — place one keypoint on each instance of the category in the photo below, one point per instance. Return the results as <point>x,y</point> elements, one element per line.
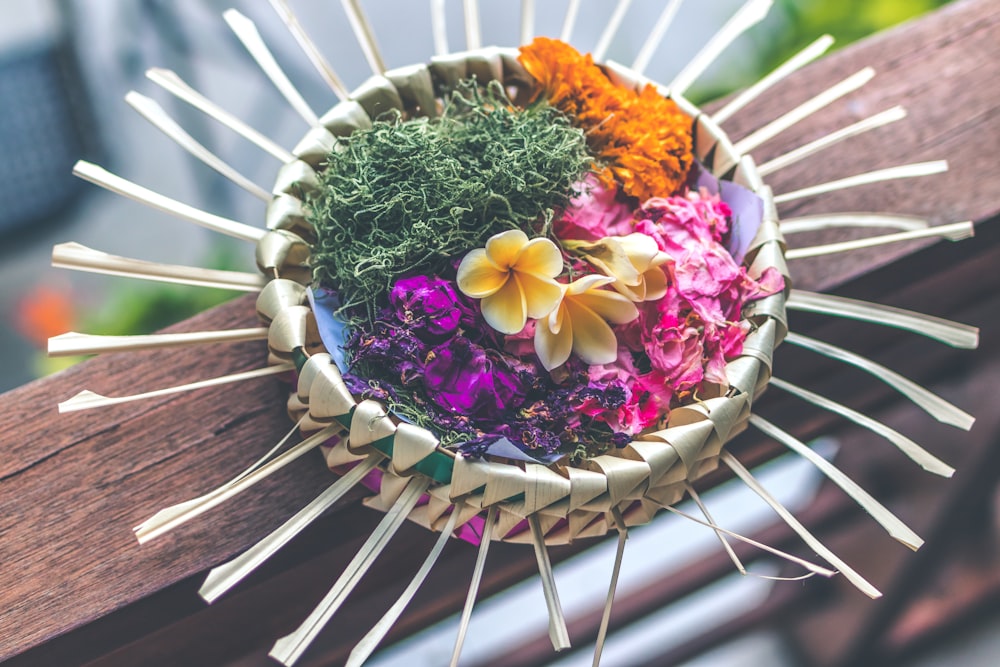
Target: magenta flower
<point>428,304</point>
<point>466,379</point>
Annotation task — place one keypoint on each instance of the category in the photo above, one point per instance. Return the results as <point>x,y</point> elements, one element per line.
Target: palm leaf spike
<point>527,21</point>
<point>326,71</point>
<point>173,84</point>
<point>655,37</point>
<point>290,648</point>
<point>81,258</point>
<point>87,400</point>
<point>812,223</point>
<point>477,577</point>
<point>155,114</point>
<point>363,32</point>
<point>954,232</point>
<point>222,578</point>
<point>892,173</point>
<point>247,33</point>
<point>105,179</point>
<point>747,16</point>
<point>473,37</point>
<point>915,452</point>
<point>793,64</point>
<point>572,11</point>
<point>73,343</point>
<point>439,27</point>
<point>931,403</point>
<point>370,641</point>
<point>610,30</point>
<point>952,333</point>
<point>872,122</point>
<point>804,110</point>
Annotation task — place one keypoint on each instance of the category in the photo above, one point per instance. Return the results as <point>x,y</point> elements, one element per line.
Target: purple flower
<point>466,379</point>
<point>390,348</point>
<point>428,305</point>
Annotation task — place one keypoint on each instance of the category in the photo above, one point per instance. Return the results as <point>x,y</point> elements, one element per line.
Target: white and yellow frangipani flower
<point>514,277</point>
<point>634,261</point>
<point>579,324</point>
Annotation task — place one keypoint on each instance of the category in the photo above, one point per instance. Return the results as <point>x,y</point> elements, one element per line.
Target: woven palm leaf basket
<point>522,295</point>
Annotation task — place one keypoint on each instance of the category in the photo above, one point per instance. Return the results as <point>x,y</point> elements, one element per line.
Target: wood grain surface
<point>73,486</point>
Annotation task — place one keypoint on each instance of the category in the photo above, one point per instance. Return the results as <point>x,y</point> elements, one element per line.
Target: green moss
<point>412,196</point>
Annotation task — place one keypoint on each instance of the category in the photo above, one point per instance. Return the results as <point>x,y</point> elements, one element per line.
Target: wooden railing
<point>76,588</point>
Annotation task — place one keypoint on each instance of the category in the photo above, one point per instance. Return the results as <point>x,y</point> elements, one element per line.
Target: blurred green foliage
<point>136,307</point>
<point>794,24</point>
<point>802,21</point>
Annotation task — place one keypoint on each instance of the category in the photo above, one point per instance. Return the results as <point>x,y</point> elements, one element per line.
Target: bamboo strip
<point>95,174</point>
<point>952,333</point>
<point>602,632</point>
<point>288,649</point>
<point>174,85</point>
<point>872,122</point>
<point>558,632</point>
<point>796,62</point>
<point>156,115</point>
<point>852,575</point>
<point>610,30</point>
<point>365,35</point>
<point>931,403</point>
<point>747,16</point>
<point>813,223</point>
<point>364,648</point>
<point>655,38</point>
<point>81,258</point>
<point>915,452</point>
<point>439,27</point>
<point>892,173</point>
<point>572,10</point>
<point>812,567</point>
<point>194,502</point>
<point>708,517</point>
<point>953,232</point>
<point>73,343</point>
<point>896,528</point>
<point>247,33</point>
<point>804,110</point>
<point>322,65</point>
<point>167,519</point>
<point>87,400</point>
<point>477,577</point>
<point>527,21</point>
<point>222,578</point>
<point>473,39</point>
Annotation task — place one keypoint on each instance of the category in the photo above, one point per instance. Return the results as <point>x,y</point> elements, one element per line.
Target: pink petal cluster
<point>682,341</point>
<point>595,212</point>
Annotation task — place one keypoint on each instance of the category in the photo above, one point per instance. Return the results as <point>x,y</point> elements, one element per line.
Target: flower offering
<point>546,275</point>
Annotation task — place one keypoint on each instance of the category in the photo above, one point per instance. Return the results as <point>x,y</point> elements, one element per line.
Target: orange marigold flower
<point>643,139</point>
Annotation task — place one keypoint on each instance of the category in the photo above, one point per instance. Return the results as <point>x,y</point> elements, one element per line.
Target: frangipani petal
<point>478,277</point>
<point>541,295</point>
<point>504,248</point>
<point>642,251</point>
<point>608,256</point>
<point>591,282</point>
<point>540,257</point>
<point>593,340</point>
<point>554,348</point>
<point>506,310</point>
<point>609,305</point>
<point>655,281</point>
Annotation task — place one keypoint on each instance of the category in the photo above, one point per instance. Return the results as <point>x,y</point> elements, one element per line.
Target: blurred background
<point>65,66</point>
